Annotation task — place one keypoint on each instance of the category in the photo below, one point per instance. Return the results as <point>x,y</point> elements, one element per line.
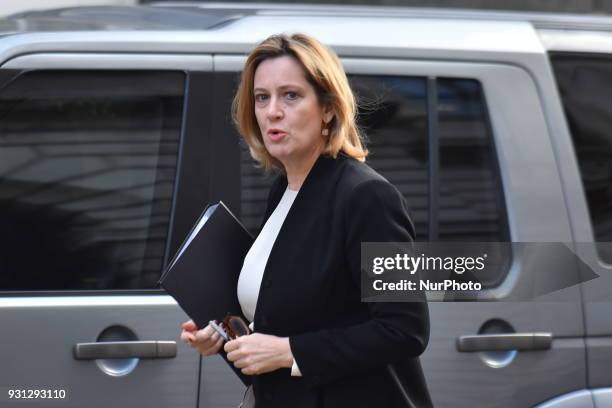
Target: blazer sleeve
<point>375,212</point>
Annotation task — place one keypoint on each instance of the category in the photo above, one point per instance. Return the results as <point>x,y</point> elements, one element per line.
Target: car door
<point>103,168</point>
<point>468,145</point>
<point>582,63</point>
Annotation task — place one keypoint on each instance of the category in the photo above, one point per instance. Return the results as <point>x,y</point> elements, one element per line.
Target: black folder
<point>203,275</point>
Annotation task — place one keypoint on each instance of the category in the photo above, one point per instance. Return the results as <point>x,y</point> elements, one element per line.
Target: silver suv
<point>115,132</point>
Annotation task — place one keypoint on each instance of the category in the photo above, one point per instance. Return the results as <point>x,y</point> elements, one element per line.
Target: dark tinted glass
<point>87,169</point>
<point>393,116</point>
<point>585,85</point>
<point>470,199</point>
<point>254,189</point>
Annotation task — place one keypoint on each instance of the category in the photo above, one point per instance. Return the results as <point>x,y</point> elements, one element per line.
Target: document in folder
<point>203,275</point>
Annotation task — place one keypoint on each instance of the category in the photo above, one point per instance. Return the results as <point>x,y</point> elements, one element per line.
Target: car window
<point>393,117</point>
<point>87,171</point>
<point>254,188</point>
<point>471,206</point>
<point>585,85</point>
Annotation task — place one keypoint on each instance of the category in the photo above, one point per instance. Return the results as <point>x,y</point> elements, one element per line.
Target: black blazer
<point>310,292</point>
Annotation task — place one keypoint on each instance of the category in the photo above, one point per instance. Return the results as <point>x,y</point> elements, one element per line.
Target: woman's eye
<point>291,95</point>
<point>260,97</point>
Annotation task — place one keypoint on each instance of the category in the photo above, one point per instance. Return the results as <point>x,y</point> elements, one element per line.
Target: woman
<point>315,343</point>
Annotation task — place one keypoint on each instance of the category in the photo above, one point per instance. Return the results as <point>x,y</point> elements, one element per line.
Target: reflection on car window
<point>585,85</point>
<point>470,201</point>
<point>471,207</point>
<point>393,116</point>
<point>87,168</point>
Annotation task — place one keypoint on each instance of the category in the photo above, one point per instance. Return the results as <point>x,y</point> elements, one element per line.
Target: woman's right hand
<point>206,341</point>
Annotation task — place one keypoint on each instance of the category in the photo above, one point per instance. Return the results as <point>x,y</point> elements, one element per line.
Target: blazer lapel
<point>313,180</point>
<point>276,193</point>
<point>306,198</point>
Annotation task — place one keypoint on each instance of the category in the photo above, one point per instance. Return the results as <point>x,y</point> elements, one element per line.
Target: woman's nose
<point>275,110</point>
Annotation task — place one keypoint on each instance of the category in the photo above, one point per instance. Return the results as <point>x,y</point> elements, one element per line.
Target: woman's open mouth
<point>276,135</point>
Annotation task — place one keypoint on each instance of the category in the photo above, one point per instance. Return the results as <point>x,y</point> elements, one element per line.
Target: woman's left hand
<point>259,353</point>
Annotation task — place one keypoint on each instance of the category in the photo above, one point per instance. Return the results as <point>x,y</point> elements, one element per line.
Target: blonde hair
<point>324,72</point>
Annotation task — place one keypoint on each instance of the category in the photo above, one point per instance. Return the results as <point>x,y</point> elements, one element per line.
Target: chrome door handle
<point>125,349</point>
<point>504,342</point>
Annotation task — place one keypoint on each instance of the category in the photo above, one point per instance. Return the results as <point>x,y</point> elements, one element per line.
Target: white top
<point>256,259</point>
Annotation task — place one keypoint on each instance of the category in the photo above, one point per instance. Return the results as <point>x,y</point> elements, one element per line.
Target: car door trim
<point>107,61</point>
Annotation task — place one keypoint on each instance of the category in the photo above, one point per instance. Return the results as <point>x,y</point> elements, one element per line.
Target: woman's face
<point>287,109</point>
